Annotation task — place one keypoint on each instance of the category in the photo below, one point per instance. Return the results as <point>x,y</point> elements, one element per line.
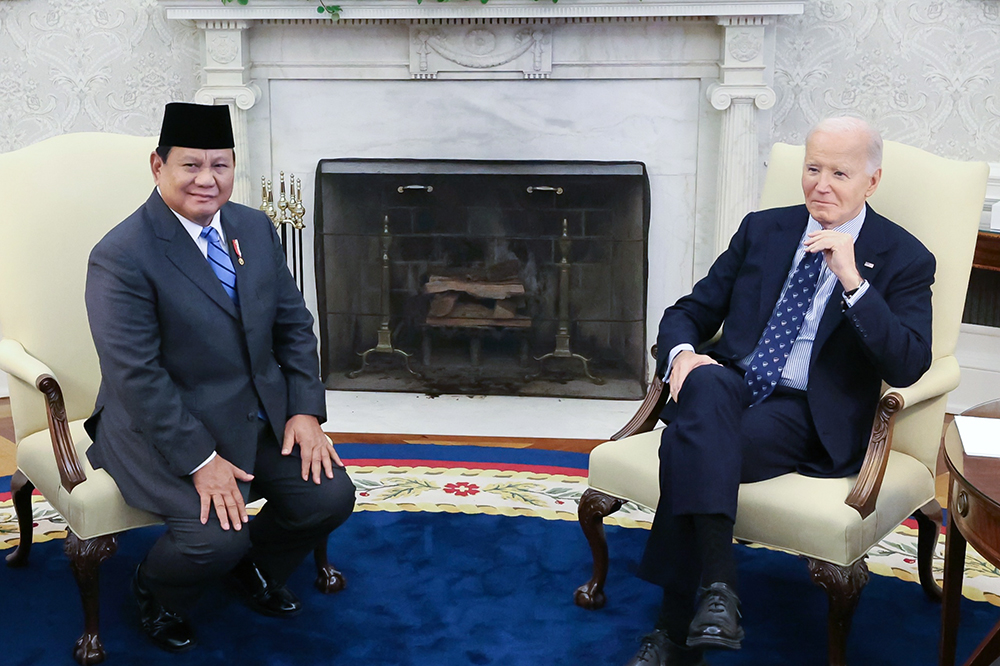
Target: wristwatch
<point>848,294</point>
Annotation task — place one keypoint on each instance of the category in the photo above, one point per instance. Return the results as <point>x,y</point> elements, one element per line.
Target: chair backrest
<point>940,201</point>
<point>60,197</point>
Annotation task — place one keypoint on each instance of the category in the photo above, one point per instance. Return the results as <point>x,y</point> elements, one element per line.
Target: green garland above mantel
<point>333,11</point>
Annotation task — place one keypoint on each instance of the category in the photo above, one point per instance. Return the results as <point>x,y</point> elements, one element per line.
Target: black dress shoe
<point>264,595</point>
<point>167,630</point>
<point>717,622</point>
<point>658,650</point>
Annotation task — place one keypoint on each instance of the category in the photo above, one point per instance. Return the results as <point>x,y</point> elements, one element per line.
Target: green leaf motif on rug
<point>518,492</point>
<point>395,488</point>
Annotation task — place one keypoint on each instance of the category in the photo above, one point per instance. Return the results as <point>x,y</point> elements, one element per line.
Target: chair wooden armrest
<point>940,378</point>
<point>18,363</point>
<point>648,412</point>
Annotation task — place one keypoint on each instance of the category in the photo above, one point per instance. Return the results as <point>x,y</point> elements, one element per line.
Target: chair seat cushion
<point>628,468</point>
<point>95,507</point>
<point>804,515</point>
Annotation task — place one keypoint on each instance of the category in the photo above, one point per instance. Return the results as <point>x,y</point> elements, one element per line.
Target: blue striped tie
<point>220,262</point>
<point>783,327</point>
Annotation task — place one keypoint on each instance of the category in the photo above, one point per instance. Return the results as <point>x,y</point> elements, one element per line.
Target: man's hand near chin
<point>216,485</point>
<point>318,454</point>
<point>838,251</point>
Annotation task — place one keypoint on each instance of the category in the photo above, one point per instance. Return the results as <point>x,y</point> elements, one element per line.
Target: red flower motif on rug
<point>461,489</point>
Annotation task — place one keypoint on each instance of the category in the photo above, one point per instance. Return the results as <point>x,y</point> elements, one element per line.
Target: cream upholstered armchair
<point>834,522</point>
<point>60,197</point>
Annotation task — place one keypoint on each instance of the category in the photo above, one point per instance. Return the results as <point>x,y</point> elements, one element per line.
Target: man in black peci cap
<point>210,387</point>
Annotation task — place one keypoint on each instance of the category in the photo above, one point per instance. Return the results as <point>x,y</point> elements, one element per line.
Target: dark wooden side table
<point>973,517</point>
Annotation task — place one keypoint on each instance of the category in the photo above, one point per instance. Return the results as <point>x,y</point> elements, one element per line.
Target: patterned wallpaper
<point>90,65</point>
<point>925,71</point>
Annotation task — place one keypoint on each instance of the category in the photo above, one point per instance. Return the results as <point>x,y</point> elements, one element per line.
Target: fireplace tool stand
<point>563,349</point>
<point>288,212</point>
<point>384,345</point>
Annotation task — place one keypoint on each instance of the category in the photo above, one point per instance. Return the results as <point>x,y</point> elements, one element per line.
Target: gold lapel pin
<point>239,255</point>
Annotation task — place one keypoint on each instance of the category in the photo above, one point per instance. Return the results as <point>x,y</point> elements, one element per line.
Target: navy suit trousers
<point>714,442</point>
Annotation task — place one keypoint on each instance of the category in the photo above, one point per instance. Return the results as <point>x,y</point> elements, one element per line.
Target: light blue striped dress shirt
<point>795,374</point>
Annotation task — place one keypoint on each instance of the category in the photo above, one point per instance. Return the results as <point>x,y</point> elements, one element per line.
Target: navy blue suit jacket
<point>885,336</point>
<point>184,371</point>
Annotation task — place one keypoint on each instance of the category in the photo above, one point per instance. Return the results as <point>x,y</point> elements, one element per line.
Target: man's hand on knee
<point>216,485</point>
<point>684,363</point>
<point>318,455</point>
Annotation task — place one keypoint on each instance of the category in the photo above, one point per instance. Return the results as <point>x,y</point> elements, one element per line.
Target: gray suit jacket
<point>184,372</point>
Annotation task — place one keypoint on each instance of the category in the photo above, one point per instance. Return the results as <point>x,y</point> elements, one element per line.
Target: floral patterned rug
<point>503,487</point>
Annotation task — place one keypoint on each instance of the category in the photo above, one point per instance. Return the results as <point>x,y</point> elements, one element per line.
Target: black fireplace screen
<point>514,278</point>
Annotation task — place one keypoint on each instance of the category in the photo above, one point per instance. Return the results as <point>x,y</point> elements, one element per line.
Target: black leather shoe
<point>658,650</point>
<point>264,595</point>
<point>717,622</point>
<point>167,630</point>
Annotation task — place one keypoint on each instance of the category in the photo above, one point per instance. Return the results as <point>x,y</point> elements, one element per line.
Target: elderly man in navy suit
<point>821,304</point>
<point>210,387</point>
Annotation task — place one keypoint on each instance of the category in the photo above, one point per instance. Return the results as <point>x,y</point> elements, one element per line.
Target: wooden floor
<point>7,465</point>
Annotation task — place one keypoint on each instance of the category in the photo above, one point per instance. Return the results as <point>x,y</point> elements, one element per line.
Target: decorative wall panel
<point>924,71</point>
<point>90,65</point>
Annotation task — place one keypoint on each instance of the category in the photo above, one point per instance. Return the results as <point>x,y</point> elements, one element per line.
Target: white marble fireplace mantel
<point>381,10</point>
<point>679,86</point>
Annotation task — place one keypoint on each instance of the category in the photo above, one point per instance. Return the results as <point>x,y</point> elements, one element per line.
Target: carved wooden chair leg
<point>843,587</point>
<point>929,521</point>
<point>594,506</point>
<point>85,559</point>
<point>328,579</point>
<point>20,492</point>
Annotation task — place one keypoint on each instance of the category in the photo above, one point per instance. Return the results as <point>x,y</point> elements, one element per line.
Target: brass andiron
<point>384,345</point>
<point>289,212</point>
<point>562,349</point>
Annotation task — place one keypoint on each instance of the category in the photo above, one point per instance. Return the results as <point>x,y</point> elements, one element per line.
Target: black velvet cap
<point>197,126</point>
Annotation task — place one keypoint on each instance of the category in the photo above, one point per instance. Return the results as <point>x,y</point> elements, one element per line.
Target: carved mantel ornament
<point>505,39</point>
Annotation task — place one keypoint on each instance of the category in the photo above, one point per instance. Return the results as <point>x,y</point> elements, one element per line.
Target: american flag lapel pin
<point>236,248</point>
<point>868,264</point>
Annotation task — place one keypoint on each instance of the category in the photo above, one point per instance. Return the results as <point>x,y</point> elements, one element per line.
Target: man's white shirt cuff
<point>673,354</point>
<point>207,460</point>
<point>853,298</point>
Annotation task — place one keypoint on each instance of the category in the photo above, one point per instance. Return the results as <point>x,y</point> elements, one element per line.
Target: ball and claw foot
<point>329,580</point>
<point>89,650</point>
<point>588,599</point>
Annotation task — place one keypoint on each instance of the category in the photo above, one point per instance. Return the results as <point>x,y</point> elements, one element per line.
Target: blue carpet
<point>441,589</point>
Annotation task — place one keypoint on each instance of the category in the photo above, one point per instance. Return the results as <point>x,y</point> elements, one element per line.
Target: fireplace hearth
<point>483,277</point>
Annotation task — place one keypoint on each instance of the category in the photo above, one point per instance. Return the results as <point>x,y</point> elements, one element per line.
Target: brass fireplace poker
<point>289,213</point>
<point>563,349</point>
<point>384,344</point>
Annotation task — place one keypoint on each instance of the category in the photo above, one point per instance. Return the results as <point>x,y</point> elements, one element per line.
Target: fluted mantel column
<point>740,92</point>
<point>226,59</point>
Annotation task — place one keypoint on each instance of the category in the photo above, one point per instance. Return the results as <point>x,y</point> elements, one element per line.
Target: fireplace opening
<point>483,277</point>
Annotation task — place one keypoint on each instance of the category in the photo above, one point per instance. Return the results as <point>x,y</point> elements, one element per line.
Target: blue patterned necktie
<point>782,328</point>
<point>220,262</point>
